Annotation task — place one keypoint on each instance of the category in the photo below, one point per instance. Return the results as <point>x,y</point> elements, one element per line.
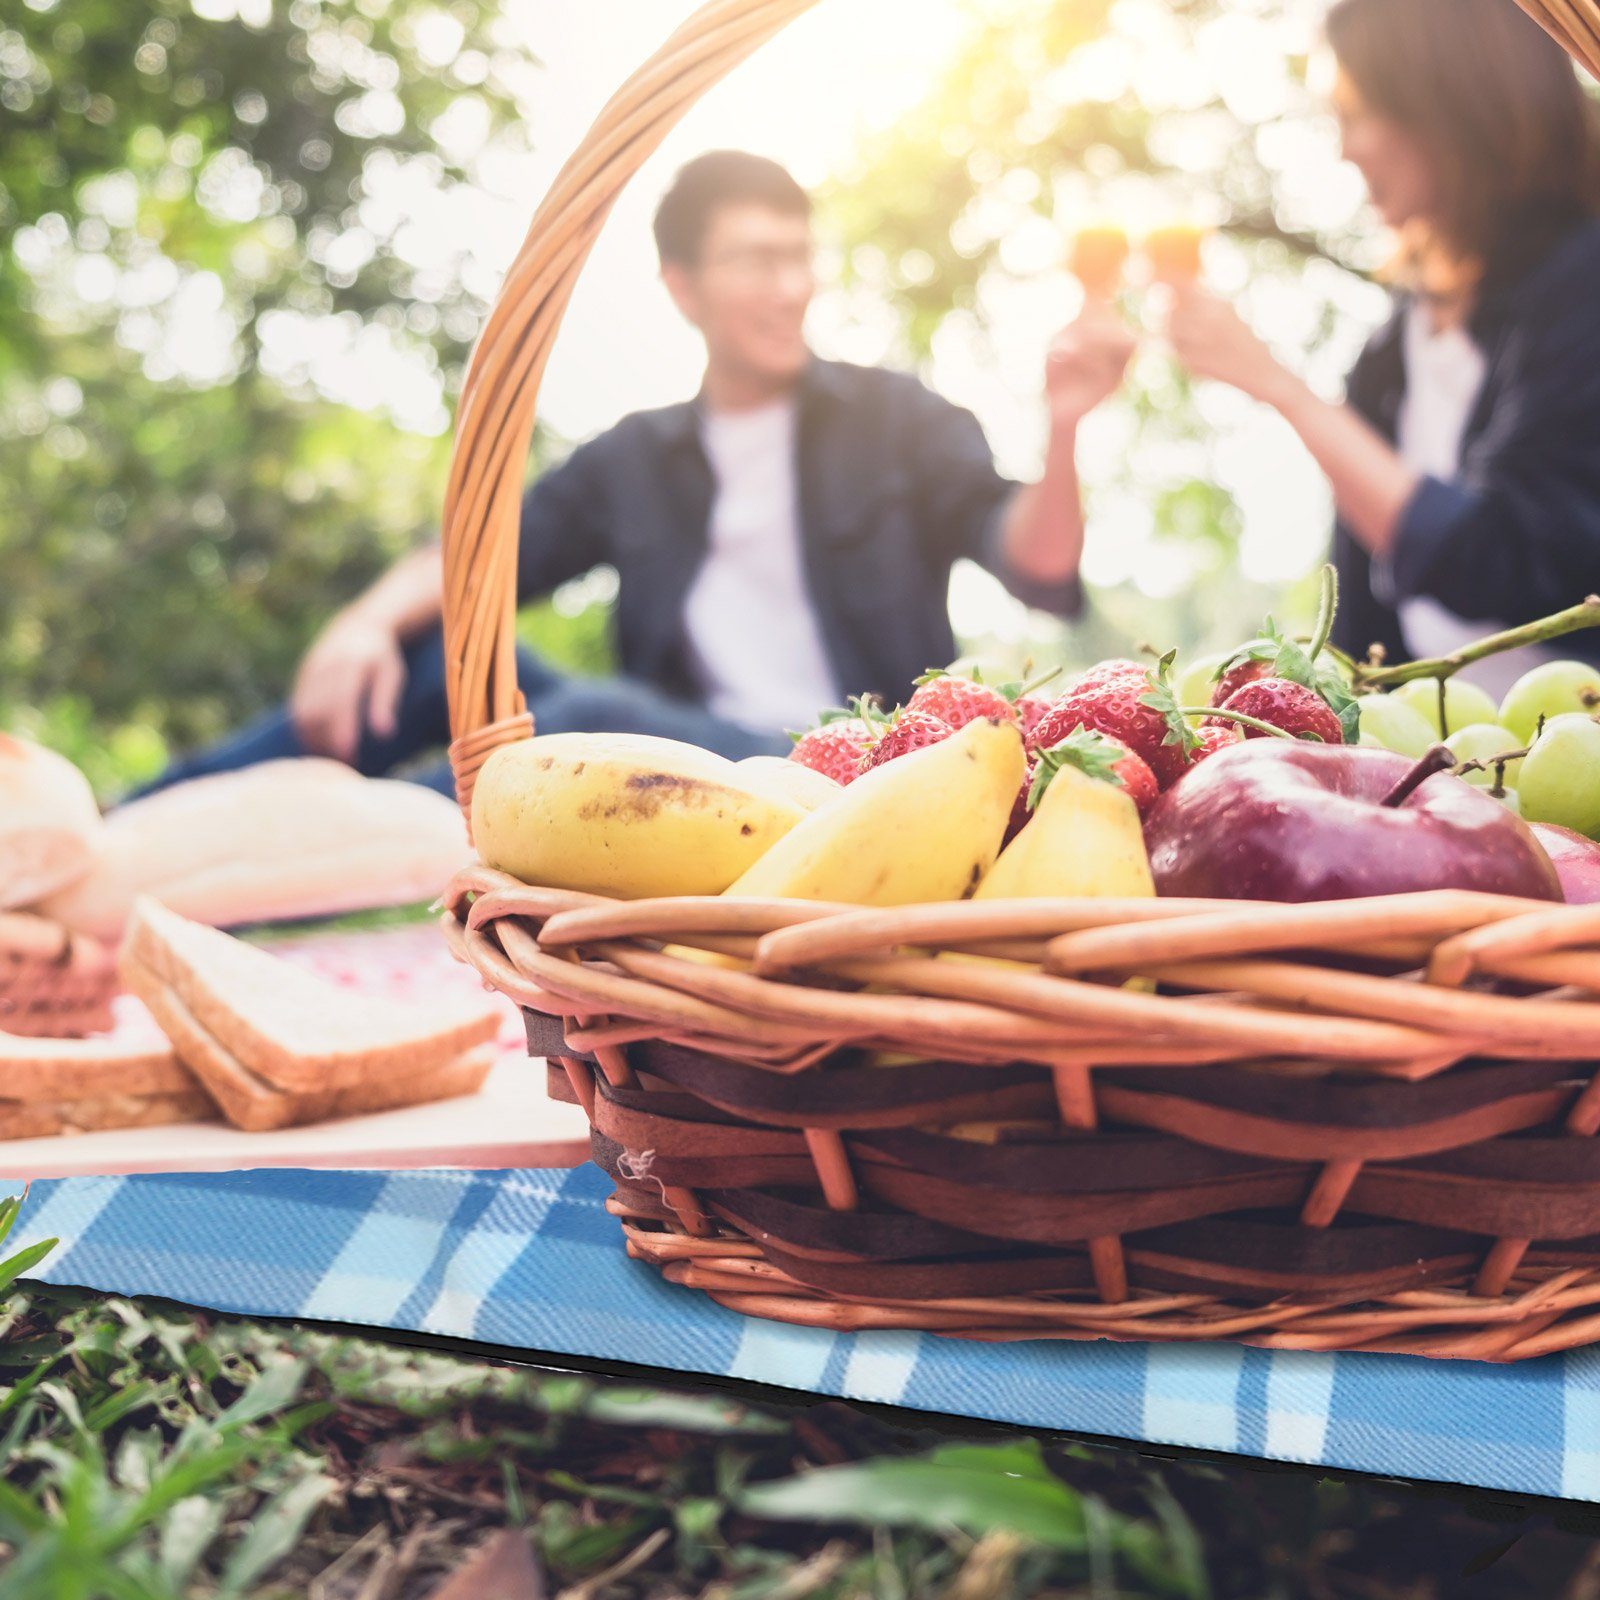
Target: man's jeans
<point>558,704</point>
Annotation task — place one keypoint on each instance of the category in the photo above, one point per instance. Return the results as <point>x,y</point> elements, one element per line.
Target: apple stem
<point>1584,615</point>
<point>1439,759</point>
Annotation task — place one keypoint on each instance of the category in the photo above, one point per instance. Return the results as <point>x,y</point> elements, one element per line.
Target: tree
<point>208,205</point>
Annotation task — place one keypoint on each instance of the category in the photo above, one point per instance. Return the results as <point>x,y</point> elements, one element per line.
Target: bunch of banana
<point>925,827</point>
<point>631,816</point>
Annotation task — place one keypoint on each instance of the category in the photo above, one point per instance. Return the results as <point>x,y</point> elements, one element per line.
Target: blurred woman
<point>1465,464</point>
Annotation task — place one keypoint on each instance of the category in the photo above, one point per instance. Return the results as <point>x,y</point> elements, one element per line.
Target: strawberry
<point>1109,699</point>
<point>1289,706</point>
<point>1236,677</point>
<point>908,731</point>
<point>835,749</point>
<point>1217,736</point>
<point>1021,811</point>
<point>956,701</point>
<point>1032,709</point>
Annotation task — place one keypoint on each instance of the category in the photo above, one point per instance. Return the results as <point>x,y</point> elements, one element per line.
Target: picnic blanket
<point>530,1259</point>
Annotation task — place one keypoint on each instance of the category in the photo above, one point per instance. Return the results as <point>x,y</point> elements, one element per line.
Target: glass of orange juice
<point>1097,258</point>
<point>1174,251</point>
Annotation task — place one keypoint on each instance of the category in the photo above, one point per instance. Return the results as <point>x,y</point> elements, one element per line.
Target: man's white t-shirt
<point>1444,372</point>
<point>753,636</point>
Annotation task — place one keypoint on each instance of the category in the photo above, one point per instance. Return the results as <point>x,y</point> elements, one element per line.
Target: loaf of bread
<point>50,827</point>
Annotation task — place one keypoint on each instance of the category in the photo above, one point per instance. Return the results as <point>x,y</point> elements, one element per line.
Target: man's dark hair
<point>707,184</point>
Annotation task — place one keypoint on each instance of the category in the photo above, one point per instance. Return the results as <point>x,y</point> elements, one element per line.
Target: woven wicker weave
<point>1353,1126</point>
<point>52,983</point>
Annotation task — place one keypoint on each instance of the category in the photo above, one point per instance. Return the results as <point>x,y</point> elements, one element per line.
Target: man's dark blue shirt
<point>895,483</point>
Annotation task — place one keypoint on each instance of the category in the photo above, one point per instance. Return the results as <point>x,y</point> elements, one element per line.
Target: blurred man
<point>781,541</point>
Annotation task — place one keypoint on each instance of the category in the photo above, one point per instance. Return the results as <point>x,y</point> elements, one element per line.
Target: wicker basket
<point>1363,1125</point>
<point>52,983</point>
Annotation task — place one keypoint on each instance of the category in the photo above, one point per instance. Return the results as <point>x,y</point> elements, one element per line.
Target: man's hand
<point>1212,340</point>
<point>1087,363</point>
<point>350,681</point>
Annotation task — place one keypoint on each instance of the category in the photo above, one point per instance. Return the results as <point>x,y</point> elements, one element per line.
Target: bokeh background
<point>246,245</point>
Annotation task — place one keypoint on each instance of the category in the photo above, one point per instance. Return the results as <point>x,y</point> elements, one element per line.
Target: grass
<point>148,1452</point>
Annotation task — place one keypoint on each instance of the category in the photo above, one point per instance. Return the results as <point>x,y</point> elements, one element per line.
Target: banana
<point>1084,840</point>
<point>789,780</point>
<point>925,827</point>
<point>623,815</point>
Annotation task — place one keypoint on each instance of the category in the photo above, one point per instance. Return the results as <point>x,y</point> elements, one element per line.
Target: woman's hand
<point>1087,362</point>
<point>1212,340</point>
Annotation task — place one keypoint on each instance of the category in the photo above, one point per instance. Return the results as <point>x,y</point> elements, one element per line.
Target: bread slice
<point>51,1086</point>
<point>292,1030</point>
<point>257,1105</point>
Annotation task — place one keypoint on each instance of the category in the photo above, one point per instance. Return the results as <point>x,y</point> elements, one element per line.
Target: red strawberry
<point>1110,704</point>
<point>1032,709</point>
<point>1236,677</point>
<point>1289,706</point>
<point>835,749</point>
<point>910,730</point>
<point>956,701</point>
<point>1217,736</point>
<point>1020,811</point>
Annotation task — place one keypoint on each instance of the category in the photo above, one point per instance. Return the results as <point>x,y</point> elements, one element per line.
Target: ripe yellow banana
<point>924,827</point>
<point>1084,840</point>
<point>789,780</point>
<point>623,815</point>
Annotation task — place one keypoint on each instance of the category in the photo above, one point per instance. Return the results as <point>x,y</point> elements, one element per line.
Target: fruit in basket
<point>1272,819</point>
<point>1464,703</point>
<point>1548,691</point>
<point>1113,698</point>
<point>1219,736</point>
<point>955,700</point>
<point>1084,837</point>
<point>1483,741</point>
<point>1560,779</point>
<point>1197,682</point>
<point>907,731</point>
<point>1576,859</point>
<point>789,780</point>
<point>835,749</point>
<point>1290,707</point>
<point>1390,723</point>
<point>1032,709</point>
<point>925,827</point>
<point>624,815</point>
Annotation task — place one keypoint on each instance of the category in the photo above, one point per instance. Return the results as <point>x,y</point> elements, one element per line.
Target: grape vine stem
<point>1575,618</point>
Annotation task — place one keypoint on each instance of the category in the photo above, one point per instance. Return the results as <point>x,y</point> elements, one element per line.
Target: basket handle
<point>494,422</point>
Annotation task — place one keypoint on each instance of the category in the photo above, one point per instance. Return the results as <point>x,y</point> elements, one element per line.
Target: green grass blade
<point>275,1530</point>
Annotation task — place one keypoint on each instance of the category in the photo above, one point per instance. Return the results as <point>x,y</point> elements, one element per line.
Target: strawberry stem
<point>1327,608</point>
<point>1236,716</point>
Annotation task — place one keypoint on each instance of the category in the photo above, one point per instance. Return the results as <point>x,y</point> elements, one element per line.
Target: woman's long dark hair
<point>1493,100</point>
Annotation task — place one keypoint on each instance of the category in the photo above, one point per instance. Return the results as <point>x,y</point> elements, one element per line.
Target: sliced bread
<point>293,1030</point>
<point>50,1086</point>
<point>254,1103</point>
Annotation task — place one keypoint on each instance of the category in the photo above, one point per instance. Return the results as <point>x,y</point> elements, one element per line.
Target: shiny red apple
<point>1577,862</point>
<point>1275,819</point>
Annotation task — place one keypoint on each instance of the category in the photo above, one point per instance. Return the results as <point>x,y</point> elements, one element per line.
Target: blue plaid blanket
<point>530,1259</point>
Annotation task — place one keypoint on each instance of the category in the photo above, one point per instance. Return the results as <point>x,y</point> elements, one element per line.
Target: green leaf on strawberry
<point>1091,753</point>
<point>1164,699</point>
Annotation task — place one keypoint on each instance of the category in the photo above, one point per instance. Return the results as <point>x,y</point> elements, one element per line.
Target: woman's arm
<point>1371,485</point>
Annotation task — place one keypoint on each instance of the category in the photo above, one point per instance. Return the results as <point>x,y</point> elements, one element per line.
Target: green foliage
<point>196,202</point>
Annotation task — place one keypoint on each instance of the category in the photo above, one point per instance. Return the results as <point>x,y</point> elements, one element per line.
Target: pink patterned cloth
<point>411,963</point>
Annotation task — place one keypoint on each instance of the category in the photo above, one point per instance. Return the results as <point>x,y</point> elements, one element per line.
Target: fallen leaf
<point>502,1569</point>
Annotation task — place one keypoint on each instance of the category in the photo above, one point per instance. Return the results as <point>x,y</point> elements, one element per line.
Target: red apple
<point>1275,819</point>
<point>1577,861</point>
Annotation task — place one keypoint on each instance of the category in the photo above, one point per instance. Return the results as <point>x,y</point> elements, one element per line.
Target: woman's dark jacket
<point>1515,535</point>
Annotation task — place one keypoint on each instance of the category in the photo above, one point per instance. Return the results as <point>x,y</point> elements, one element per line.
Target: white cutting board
<point>510,1122</point>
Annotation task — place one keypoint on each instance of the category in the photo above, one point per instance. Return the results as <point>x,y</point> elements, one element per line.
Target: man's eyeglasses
<point>762,263</point>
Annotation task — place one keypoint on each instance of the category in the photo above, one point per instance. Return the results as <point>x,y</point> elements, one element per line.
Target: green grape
<point>1511,799</point>
<point>1551,690</point>
<point>1482,741</point>
<point>1560,779</point>
<point>1388,723</point>
<point>1195,683</point>
<point>1465,703</point>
